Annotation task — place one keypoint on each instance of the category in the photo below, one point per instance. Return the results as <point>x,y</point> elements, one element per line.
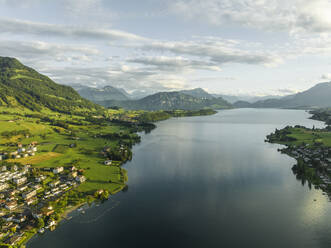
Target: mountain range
<point>318,96</point>
<point>104,94</point>
<point>171,101</point>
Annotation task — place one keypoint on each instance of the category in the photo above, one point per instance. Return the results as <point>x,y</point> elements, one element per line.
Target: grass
<point>310,136</point>
<point>54,150</point>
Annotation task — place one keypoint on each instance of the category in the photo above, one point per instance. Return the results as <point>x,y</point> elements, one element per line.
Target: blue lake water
<point>207,181</point>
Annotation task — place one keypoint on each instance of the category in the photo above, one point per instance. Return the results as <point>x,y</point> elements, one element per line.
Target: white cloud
<point>219,52</point>
<point>37,52</point>
<point>43,29</point>
<point>326,76</point>
<point>175,63</point>
<point>291,16</point>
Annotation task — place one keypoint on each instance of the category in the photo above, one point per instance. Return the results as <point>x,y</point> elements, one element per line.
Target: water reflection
<point>208,182</point>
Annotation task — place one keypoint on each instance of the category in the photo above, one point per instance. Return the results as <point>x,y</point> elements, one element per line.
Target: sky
<point>236,47</point>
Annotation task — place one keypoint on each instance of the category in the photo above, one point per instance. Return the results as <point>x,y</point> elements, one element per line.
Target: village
<point>312,155</point>
<point>318,158</point>
<point>26,194</point>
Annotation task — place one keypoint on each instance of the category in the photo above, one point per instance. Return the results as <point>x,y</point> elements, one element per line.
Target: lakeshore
<point>311,148</point>
<point>53,163</point>
<point>196,182</point>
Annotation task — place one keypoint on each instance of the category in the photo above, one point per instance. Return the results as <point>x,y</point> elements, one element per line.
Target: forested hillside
<point>23,86</point>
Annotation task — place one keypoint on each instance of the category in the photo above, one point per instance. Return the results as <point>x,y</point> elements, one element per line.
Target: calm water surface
<point>207,182</point>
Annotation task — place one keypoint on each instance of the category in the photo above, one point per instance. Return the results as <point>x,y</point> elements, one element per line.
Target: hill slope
<point>105,94</point>
<point>170,101</point>
<point>318,96</point>
<point>23,86</point>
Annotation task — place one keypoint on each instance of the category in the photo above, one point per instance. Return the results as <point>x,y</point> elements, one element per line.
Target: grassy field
<point>310,136</point>
<point>54,147</point>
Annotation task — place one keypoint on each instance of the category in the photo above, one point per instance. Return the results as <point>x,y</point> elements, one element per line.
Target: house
<point>108,162</point>
<point>14,168</point>
<point>40,179</point>
<point>58,170</point>
<point>25,155</point>
<point>54,184</point>
<point>19,219</point>
<point>37,186</point>
<point>20,150</point>
<point>32,154</point>
<point>34,149</point>
<point>0,157</point>
<point>3,186</point>
<point>73,174</point>
<point>29,194</point>
<point>19,181</point>
<point>80,179</point>
<point>3,168</point>
<point>22,188</point>
<point>31,201</point>
<point>11,205</point>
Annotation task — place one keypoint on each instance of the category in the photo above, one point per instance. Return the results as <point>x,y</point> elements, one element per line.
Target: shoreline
<point>71,209</point>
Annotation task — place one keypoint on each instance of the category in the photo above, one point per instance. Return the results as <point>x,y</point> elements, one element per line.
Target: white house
<point>54,184</point>
<point>58,170</point>
<point>108,162</point>
<point>27,195</point>
<point>19,181</point>
<point>80,179</point>
<point>3,186</point>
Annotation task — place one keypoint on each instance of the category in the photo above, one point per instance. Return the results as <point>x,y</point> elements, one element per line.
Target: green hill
<point>22,86</point>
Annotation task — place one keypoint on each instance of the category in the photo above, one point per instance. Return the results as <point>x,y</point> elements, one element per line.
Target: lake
<point>208,181</point>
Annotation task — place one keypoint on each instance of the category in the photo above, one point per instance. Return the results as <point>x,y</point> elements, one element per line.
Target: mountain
<point>318,96</point>
<point>198,93</point>
<point>23,86</point>
<point>245,98</point>
<point>104,94</point>
<point>170,101</point>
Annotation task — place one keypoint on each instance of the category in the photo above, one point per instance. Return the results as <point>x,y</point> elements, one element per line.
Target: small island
<point>311,147</point>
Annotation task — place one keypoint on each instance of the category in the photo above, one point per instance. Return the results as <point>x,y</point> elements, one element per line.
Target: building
<point>19,181</point>
<point>29,194</point>
<point>11,205</point>
<point>80,179</point>
<point>108,162</point>
<point>3,186</point>
<point>54,184</point>
<point>0,157</point>
<point>58,170</point>
<point>73,174</point>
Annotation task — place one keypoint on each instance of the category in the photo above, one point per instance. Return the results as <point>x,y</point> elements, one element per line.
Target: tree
<point>40,223</point>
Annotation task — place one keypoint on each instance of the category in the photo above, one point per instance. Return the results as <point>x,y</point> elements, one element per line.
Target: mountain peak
<point>8,62</point>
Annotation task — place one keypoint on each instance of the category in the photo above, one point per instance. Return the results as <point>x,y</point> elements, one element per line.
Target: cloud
<point>326,76</point>
<point>122,76</point>
<point>37,52</point>
<point>175,63</point>
<point>43,29</point>
<point>284,15</point>
<point>218,51</point>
